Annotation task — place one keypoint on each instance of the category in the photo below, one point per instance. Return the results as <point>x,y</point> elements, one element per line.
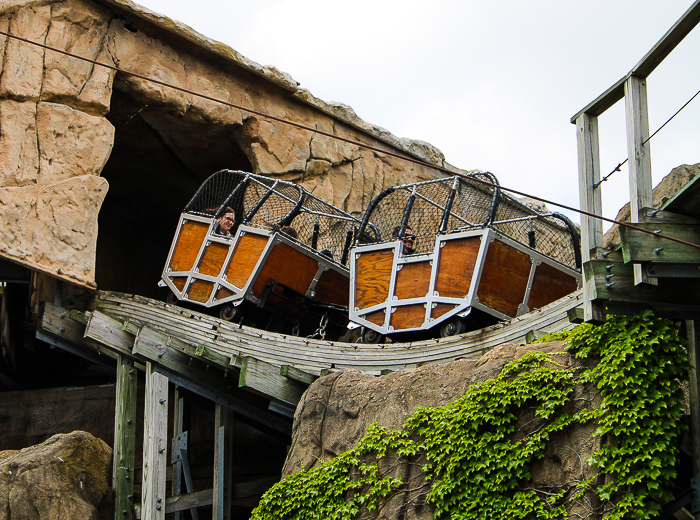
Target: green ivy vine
<point>476,453</point>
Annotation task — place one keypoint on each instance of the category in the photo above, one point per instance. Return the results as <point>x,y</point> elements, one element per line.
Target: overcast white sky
<point>491,83</point>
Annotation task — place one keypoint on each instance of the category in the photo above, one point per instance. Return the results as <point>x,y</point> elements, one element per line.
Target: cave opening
<point>157,163</point>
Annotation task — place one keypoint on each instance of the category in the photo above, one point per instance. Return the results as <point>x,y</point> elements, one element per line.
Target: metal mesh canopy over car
<point>272,203</point>
<point>455,204</point>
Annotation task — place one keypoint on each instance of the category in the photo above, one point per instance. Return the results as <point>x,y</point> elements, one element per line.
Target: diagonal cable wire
<point>617,168</point>
<point>350,141</point>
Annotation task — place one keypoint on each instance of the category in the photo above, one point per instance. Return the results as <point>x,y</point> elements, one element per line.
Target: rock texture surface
<point>65,477</point>
<point>335,412</point>
<point>62,120</point>
<point>663,191</point>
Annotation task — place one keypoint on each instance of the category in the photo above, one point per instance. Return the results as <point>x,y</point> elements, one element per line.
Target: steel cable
<point>349,141</point>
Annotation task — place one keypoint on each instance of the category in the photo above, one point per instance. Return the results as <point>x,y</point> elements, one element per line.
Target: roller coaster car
<point>479,257</point>
<point>258,271</point>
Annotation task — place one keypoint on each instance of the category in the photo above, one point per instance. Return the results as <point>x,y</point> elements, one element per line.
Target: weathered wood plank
<point>590,201</point>
<point>191,500</point>
<point>124,455</point>
<point>131,328</point>
<point>686,200</point>
<point>615,281</point>
<point>637,116</point>
<point>638,246</point>
<point>651,216</point>
<point>265,379</point>
<point>156,347</point>
<point>176,468</point>
<point>56,321</point>
<point>155,437</point>
<point>297,375</point>
<point>694,392</point>
<point>575,315</point>
<point>599,253</point>
<point>671,311</point>
<point>203,353</point>
<point>79,316</point>
<point>223,458</point>
<point>108,331</point>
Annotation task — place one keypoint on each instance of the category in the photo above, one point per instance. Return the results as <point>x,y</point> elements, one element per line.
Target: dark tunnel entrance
<point>157,163</point>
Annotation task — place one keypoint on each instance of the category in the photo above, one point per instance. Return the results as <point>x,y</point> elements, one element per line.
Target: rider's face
<point>408,238</point>
<point>227,220</point>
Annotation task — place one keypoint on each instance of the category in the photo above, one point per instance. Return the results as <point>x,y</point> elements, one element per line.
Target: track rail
<point>316,356</point>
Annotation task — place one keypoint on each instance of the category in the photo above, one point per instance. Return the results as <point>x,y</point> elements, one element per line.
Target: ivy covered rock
<point>586,428</point>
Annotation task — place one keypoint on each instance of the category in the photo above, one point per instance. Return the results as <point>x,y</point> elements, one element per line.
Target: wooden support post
<point>155,436</point>
<point>124,440</point>
<point>58,293</point>
<point>694,393</point>
<point>639,158</point>
<point>590,199</point>
<point>178,425</point>
<point>223,452</point>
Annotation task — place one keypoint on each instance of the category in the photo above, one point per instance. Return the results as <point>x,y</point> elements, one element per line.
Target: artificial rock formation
<point>65,477</point>
<point>336,410</point>
<point>667,188</point>
<point>75,135</point>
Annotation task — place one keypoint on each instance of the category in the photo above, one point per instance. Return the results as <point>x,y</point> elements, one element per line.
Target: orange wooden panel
<point>456,266</point>
<point>504,278</point>
<point>548,285</point>
<point>248,250</point>
<point>408,316</point>
<point>413,280</point>
<point>333,287</point>
<point>190,240</point>
<point>440,309</point>
<point>287,266</point>
<point>213,259</point>
<point>223,292</point>
<point>372,276</point>
<point>199,291</point>
<point>179,281</point>
<point>376,317</point>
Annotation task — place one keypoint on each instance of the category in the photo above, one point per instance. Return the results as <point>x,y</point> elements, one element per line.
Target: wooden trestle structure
<point>252,376</point>
<point>645,271</point>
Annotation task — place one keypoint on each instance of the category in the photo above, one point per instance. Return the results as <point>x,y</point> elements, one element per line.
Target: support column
<point>590,199</point>
<point>124,455</point>
<point>223,452</point>
<point>639,158</point>
<point>694,393</point>
<point>178,425</point>
<point>155,437</point>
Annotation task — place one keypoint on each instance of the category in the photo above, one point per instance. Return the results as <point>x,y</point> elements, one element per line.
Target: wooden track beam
<point>124,455</point>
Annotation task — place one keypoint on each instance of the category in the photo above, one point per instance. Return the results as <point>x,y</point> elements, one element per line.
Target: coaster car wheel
<point>370,336</point>
<point>171,298</point>
<point>228,312</point>
<point>451,327</point>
